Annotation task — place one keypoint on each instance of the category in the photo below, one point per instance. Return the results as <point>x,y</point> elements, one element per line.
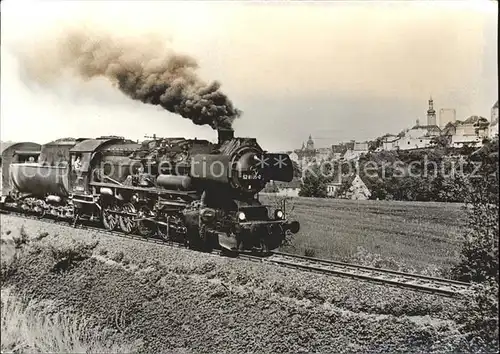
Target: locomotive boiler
<point>186,190</point>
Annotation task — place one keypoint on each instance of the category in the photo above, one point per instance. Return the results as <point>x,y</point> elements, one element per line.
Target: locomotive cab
<point>79,167</point>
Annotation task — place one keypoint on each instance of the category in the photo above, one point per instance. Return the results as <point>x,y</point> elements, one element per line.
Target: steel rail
<point>441,286</point>
<point>395,272</point>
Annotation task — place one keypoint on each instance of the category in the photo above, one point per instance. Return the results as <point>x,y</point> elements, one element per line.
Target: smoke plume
<point>144,69</point>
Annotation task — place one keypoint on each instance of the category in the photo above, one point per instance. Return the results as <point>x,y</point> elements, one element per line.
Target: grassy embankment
<point>165,299</point>
<point>44,326</point>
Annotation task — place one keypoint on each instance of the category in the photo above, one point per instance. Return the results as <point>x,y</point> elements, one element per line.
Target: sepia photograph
<point>275,176</point>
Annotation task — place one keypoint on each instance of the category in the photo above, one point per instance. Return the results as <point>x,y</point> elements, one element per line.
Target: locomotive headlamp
<point>278,214</point>
<point>241,216</point>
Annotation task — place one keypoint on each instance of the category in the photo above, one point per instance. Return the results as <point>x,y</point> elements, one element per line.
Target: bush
<point>479,255</point>
<point>42,235</point>
<point>69,254</point>
<point>117,256</point>
<point>480,317</point>
<point>22,239</point>
<point>8,266</point>
<point>314,184</point>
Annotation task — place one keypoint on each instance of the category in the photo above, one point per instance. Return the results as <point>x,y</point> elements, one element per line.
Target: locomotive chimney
<point>225,134</point>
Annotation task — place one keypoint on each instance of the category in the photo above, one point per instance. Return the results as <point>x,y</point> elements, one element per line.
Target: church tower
<point>310,144</point>
<point>431,113</point>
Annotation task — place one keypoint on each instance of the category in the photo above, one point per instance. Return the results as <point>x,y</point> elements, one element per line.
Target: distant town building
<point>307,152</point>
<point>493,130</point>
<point>410,143</point>
<point>447,115</point>
<point>389,142</point>
<point>431,129</point>
<point>418,131</point>
<point>310,144</point>
<point>352,155</point>
<point>339,150</point>
<point>467,127</point>
<point>471,131</point>
<point>323,154</point>
<point>290,189</point>
<point>418,137</point>
<point>361,146</point>
<point>355,150</point>
<point>431,113</point>
<point>294,157</point>
<point>458,141</point>
<point>358,190</point>
<point>494,112</point>
<point>332,189</point>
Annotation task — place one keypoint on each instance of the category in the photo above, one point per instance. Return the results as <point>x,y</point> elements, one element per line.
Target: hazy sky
<point>336,70</point>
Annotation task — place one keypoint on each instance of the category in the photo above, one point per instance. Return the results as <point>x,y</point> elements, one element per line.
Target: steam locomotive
<point>192,191</point>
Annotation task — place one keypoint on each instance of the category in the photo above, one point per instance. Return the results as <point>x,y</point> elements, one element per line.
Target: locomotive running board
<point>141,189</point>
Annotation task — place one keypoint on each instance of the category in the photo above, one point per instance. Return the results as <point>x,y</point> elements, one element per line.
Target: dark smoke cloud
<point>142,68</point>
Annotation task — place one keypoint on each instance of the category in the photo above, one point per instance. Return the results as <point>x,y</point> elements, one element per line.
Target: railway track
<point>421,283</point>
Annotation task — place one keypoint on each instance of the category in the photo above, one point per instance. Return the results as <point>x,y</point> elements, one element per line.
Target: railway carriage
<point>15,153</point>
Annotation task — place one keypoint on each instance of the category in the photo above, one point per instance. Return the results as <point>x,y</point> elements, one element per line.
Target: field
<point>414,236</point>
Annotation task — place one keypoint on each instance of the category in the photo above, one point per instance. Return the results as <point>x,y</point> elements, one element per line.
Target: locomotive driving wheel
<point>145,228</point>
<point>127,222</point>
<point>110,220</point>
<point>39,212</point>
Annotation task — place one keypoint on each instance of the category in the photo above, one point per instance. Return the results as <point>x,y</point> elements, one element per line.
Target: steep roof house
<point>358,190</point>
